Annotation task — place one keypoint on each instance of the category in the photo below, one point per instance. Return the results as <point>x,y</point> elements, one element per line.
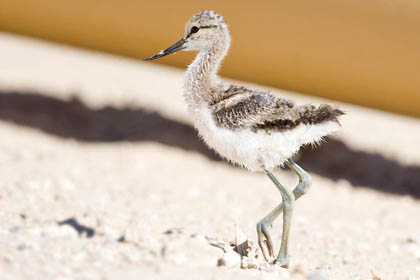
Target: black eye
<point>194,29</point>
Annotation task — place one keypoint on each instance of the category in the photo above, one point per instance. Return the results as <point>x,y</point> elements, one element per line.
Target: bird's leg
<point>263,233</point>
<point>305,180</point>
<point>288,202</point>
<point>262,226</point>
<point>266,222</point>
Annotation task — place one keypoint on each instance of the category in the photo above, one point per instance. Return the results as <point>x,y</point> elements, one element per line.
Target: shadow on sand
<point>79,228</point>
<point>73,119</point>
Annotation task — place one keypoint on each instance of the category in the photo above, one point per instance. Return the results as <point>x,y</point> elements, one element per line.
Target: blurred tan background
<point>362,52</point>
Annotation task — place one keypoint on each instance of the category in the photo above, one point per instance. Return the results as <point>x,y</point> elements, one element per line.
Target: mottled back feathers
<point>245,108</point>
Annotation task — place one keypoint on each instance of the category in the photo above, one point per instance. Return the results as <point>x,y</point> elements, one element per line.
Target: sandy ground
<point>102,177</point>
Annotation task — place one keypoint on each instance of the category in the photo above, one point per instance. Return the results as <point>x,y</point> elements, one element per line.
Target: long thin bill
<point>174,48</point>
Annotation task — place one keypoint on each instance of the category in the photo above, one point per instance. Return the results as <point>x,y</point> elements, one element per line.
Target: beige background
<point>364,52</point>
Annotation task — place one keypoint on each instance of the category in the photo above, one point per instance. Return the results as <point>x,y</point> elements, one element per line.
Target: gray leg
<point>288,202</point>
<point>266,222</point>
<point>264,234</point>
<point>305,179</point>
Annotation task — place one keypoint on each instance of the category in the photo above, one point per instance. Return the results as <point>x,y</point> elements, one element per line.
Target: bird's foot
<point>264,240</point>
<point>282,262</point>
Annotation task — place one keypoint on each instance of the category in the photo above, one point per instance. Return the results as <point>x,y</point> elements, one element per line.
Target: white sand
<point>103,145</point>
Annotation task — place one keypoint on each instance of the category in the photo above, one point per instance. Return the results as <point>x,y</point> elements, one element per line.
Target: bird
<point>249,127</point>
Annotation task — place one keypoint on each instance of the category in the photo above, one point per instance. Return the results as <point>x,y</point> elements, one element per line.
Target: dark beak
<point>174,48</point>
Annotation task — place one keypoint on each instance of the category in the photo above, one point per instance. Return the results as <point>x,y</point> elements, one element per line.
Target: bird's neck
<point>201,80</point>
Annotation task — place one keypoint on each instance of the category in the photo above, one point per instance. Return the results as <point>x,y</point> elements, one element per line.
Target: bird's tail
<point>310,114</point>
<point>321,121</point>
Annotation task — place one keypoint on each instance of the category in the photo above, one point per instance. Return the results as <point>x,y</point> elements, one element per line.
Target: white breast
<point>256,150</point>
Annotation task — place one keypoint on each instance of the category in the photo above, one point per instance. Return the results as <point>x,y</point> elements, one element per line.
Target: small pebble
<point>317,275</point>
<point>415,250</point>
<point>230,259</point>
<point>250,263</point>
<point>394,248</point>
<point>15,229</point>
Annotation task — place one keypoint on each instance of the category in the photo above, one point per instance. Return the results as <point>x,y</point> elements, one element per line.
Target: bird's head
<point>203,31</point>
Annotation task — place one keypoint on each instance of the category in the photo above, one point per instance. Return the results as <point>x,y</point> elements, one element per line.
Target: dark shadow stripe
<point>73,119</point>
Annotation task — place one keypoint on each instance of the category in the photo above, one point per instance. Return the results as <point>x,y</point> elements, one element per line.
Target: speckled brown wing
<point>288,118</point>
<point>244,108</point>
